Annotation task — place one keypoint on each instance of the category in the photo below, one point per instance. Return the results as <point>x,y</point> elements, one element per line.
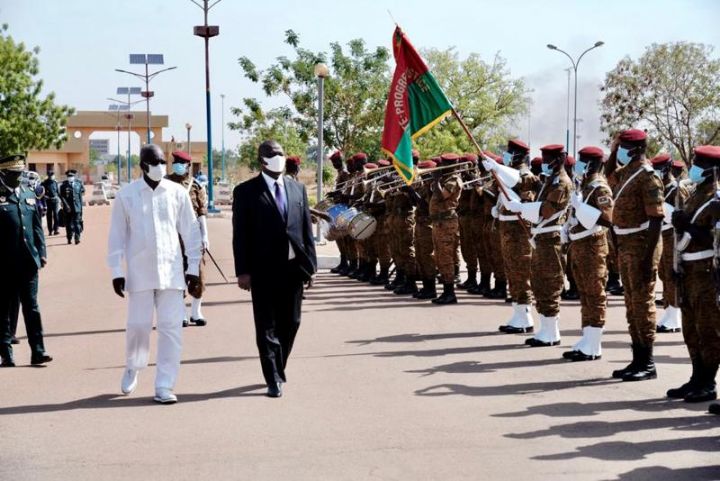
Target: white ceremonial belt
<point>666,227</point>
<point>544,230</point>
<point>508,218</point>
<point>585,233</point>
<point>697,256</point>
<point>631,230</point>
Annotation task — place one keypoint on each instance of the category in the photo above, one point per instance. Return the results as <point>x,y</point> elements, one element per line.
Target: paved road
<point>379,388</point>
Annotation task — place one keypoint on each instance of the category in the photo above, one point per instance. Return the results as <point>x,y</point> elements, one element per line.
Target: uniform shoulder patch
<point>604,200</point>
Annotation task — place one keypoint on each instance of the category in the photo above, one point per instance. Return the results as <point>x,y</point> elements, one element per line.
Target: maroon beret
<point>569,161</point>
<point>536,161</point>
<point>182,156</point>
<point>660,158</point>
<point>470,158</point>
<point>337,155</point>
<point>518,144</point>
<point>592,153</point>
<point>384,163</point>
<point>415,154</point>
<point>359,156</point>
<point>426,164</point>
<point>436,159</point>
<point>449,157</point>
<point>552,149</point>
<point>294,159</point>
<point>708,152</point>
<point>633,135</point>
<point>370,166</point>
<point>493,156</point>
<point>678,164</point>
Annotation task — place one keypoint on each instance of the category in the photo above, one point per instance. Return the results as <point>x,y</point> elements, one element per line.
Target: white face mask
<point>275,164</point>
<point>156,172</point>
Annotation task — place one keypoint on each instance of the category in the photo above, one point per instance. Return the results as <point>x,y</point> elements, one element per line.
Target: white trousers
<point>170,312</point>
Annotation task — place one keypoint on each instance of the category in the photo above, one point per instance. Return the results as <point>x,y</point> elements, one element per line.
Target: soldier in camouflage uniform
<point>694,225</point>
<point>477,227</point>
<point>591,209</point>
<point>637,220</point>
<point>353,194</point>
<point>514,233</point>
<point>491,236</point>
<point>466,220</point>
<point>342,242</point>
<point>423,237</point>
<point>547,214</point>
<point>381,237</point>
<point>673,191</point>
<point>198,196</point>
<point>445,193</point>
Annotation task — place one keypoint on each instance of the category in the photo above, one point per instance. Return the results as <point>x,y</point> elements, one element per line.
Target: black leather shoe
<point>408,288</point>
<point>620,373</point>
<point>198,322</point>
<point>682,391</point>
<point>579,356</point>
<point>7,363</point>
<point>428,290</point>
<point>714,408</point>
<point>572,295</point>
<point>38,359</point>
<point>499,292</point>
<point>77,240</point>
<point>665,330</point>
<point>532,342</point>
<point>14,340</point>
<point>185,323</point>
<point>274,390</point>
<point>516,330</point>
<point>448,295</point>
<point>644,366</point>
<point>701,395</point>
<point>380,280</point>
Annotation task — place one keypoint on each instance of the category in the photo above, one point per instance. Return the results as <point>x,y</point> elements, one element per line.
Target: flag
<point>415,104</point>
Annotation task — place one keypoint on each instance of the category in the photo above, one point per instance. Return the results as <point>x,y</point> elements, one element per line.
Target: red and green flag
<point>415,104</point>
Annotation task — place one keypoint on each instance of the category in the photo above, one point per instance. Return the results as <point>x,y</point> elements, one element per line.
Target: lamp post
<point>567,118</point>
<point>125,105</point>
<point>321,71</point>
<point>188,127</point>
<point>575,64</point>
<point>147,60</point>
<point>208,31</point>
<point>222,132</point>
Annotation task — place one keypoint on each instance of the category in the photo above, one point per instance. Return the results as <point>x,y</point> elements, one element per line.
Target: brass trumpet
<point>421,176</point>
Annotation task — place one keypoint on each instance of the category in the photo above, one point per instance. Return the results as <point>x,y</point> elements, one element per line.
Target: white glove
<point>575,200</point>
<point>494,212</point>
<point>565,234</point>
<point>514,206</point>
<point>202,223</point>
<point>489,164</point>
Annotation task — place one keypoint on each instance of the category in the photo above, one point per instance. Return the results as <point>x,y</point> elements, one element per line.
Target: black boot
<point>457,275</point>
<point>448,295</point>
<point>428,290</point>
<point>613,285</point>
<point>714,408</point>
<point>499,292</point>
<point>645,367</point>
<point>352,268</point>
<point>397,281</point>
<point>470,282</point>
<point>572,294</point>
<point>369,272</point>
<point>620,373</point>
<point>691,385</point>
<point>382,278</point>
<point>359,271</point>
<point>408,288</point>
<point>338,268</point>
<point>707,390</point>
<point>6,356</point>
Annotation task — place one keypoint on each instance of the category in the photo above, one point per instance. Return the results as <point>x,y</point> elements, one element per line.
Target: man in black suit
<point>274,254</point>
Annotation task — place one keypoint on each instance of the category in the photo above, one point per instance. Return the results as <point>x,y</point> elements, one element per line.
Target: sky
<point>83,41</point>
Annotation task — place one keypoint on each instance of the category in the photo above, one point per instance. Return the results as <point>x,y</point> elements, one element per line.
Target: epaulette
<point>648,168</point>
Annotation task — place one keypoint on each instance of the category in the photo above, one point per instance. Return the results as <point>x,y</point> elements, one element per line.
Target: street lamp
<point>146,59</point>
<point>222,132</point>
<point>575,64</point>
<point>321,71</point>
<point>208,31</point>
<point>118,108</point>
<point>188,127</point>
<point>125,105</point>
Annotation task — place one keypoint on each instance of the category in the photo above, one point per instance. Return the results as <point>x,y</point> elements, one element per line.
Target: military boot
<point>359,271</point>
<point>620,373</point>
<point>397,281</point>
<point>613,285</point>
<point>456,279</point>
<point>645,367</point>
<point>6,354</point>
<point>691,385</point>
<point>428,290</point>
<point>707,391</point>
<point>470,282</point>
<point>368,272</point>
<point>408,288</point>
<point>338,268</point>
<point>352,268</point>
<point>448,295</point>
<point>714,408</point>
<point>499,292</point>
<point>571,294</point>
<point>382,278</point>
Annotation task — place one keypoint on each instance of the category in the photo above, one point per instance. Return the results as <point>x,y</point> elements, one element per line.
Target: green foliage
<point>355,93</point>
<point>672,91</point>
<point>27,120</point>
<point>484,94</point>
<point>94,156</point>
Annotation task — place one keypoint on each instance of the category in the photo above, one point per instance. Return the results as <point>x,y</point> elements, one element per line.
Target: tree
<point>355,93</point>
<point>94,156</point>
<point>672,91</point>
<point>27,119</point>
<point>485,95</point>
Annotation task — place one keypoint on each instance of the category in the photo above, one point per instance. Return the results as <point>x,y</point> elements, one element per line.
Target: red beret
<point>660,158</point>
<point>449,157</point>
<point>370,166</point>
<point>180,155</point>
<point>426,164</point>
<point>633,135</point>
<point>678,164</point>
<point>493,156</point>
<point>294,159</point>
<point>415,154</point>
<point>337,155</point>
<point>591,153</point>
<point>708,152</point>
<point>436,159</point>
<point>384,163</point>
<point>359,156</point>
<point>536,161</point>
<point>518,144</point>
<point>569,161</point>
<point>470,158</point>
<point>552,148</point>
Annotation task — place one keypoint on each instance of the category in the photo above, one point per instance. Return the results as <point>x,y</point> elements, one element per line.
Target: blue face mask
<point>696,174</point>
<point>546,169</point>
<point>507,158</point>
<point>580,167</point>
<point>623,156</point>
<point>179,168</point>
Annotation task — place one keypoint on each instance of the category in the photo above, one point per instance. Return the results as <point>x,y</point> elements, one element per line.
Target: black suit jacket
<point>261,233</point>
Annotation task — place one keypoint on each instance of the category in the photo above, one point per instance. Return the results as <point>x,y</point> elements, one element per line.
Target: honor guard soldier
<point>491,235</point>
<point>514,233</point>
<point>381,236</point>
<point>23,245</point>
<point>342,176</point>
<point>477,227</point>
<point>355,194</point>
<point>547,215</point>
<point>695,225</point>
<point>569,294</point>
<point>71,195</point>
<point>198,197</point>
<point>536,167</point>
<point>445,193</point>
<point>52,200</point>
<point>637,220</point>
<point>423,237</point>
<point>466,221</point>
<point>292,166</point>
<point>591,209</point>
<point>674,194</point>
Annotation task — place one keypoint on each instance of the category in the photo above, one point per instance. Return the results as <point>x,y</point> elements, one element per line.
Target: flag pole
<point>501,186</point>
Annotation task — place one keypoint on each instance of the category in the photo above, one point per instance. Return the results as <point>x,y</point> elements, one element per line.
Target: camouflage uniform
<point>491,233</point>
<point>465,223</point>
<point>343,242</point>
<point>403,221</point>
<point>443,205</point>
<point>423,238</point>
<point>477,227</point>
<point>672,190</point>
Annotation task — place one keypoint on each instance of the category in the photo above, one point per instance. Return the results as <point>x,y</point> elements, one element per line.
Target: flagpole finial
<point>392,18</point>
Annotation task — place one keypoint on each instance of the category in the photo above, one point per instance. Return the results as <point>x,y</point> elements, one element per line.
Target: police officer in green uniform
<point>71,192</point>
<point>22,243</point>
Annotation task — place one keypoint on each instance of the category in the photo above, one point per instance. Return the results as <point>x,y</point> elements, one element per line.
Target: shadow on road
<point>207,360</point>
<point>475,367</point>
<point>509,389</point>
<point>423,337</point>
<point>575,409</point>
<point>657,473</point>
